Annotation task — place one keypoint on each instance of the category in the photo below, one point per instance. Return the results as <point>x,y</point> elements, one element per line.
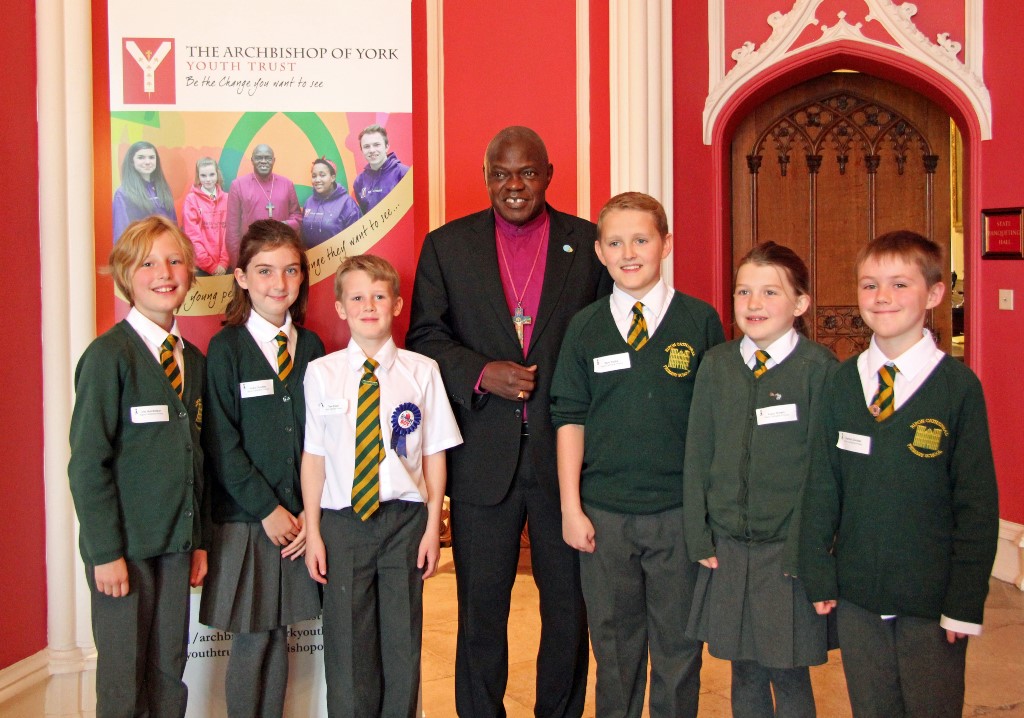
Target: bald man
<point>494,293</point>
<point>260,195</point>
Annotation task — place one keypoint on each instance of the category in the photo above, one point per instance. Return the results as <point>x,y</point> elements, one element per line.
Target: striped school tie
<point>369,445</point>
<point>284,359</point>
<point>637,328</point>
<point>883,404</point>
<point>760,362</point>
<point>169,364</point>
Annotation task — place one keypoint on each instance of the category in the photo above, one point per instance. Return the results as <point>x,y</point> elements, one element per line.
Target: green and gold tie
<point>369,445</point>
<point>638,328</point>
<point>760,362</point>
<point>170,365</point>
<point>882,404</point>
<point>284,359</point>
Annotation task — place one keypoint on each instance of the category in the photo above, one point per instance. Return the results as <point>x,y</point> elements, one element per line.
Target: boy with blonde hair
<point>621,401</point>
<point>378,424</point>
<point>136,475</point>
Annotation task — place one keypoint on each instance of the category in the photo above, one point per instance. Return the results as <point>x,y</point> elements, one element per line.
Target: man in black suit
<point>494,293</point>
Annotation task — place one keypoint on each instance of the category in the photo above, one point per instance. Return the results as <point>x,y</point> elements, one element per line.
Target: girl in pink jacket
<point>204,218</point>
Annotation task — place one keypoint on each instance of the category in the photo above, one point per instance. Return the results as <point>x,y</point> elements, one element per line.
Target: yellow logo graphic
<point>199,413</point>
<point>928,435</point>
<point>680,358</point>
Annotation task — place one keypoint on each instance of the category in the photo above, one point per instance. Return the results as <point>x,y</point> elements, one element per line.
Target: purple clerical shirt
<point>522,256</point>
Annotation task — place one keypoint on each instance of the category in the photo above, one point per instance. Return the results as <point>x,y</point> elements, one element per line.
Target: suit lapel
<point>563,246</point>
<point>484,262</point>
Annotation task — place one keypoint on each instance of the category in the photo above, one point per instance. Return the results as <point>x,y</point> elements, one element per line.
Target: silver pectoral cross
<point>521,320</point>
<point>270,210</point>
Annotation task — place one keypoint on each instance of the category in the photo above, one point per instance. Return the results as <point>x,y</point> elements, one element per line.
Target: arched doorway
<point>830,163</point>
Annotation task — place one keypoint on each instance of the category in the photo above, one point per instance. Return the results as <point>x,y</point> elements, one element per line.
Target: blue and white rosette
<point>404,420</point>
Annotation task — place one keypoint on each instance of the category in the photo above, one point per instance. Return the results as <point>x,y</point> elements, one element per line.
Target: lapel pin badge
<point>567,248</point>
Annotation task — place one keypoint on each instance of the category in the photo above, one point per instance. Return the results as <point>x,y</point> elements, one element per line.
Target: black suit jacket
<point>460,318</point>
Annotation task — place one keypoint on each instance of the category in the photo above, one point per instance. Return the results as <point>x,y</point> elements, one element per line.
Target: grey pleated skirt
<point>249,588</point>
<point>747,610</point>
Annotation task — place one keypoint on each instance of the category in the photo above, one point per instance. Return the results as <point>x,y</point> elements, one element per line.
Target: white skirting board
<point>24,674</point>
<point>1009,565</point>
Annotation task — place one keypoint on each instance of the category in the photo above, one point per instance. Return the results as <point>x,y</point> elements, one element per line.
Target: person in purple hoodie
<point>143,191</point>
<point>329,209</point>
<point>383,170</point>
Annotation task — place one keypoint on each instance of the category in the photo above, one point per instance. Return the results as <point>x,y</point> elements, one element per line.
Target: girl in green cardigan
<point>746,462</point>
<point>253,436</point>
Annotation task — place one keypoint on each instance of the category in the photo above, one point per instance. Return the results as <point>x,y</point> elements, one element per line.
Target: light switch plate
<point>1006,299</point>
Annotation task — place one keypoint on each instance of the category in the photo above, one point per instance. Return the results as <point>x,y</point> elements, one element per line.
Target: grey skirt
<point>748,610</point>
<point>249,588</point>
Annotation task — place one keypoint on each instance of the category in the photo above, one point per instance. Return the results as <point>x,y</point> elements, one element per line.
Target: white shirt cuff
<point>950,624</point>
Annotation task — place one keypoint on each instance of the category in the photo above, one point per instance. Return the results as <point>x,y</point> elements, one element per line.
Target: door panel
<point>824,167</point>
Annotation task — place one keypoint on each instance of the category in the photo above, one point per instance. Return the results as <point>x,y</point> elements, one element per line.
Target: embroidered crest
<point>928,435</point>
<point>680,359</point>
<point>199,413</point>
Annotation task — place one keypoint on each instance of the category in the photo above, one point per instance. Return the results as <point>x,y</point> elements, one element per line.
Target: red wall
<point>702,183</point>
<point>1000,333</point>
<point>508,68</point>
<point>23,578</point>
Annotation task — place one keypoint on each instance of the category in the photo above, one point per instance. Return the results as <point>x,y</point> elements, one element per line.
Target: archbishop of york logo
<point>680,359</point>
<point>928,435</point>
<point>148,70</point>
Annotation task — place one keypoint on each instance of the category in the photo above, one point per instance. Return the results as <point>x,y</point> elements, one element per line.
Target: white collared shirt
<point>655,303</point>
<point>153,335</point>
<point>332,398</point>
<point>266,333</point>
<point>915,365</point>
<point>777,351</point>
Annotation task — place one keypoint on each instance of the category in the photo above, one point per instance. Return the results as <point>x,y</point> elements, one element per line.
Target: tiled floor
<point>995,661</point>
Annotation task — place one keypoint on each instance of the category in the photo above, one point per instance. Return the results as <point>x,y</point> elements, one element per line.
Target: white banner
<point>305,56</point>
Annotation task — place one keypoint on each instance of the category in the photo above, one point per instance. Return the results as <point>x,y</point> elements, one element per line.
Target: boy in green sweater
<point>136,476</point>
<point>621,402</point>
<point>900,516</point>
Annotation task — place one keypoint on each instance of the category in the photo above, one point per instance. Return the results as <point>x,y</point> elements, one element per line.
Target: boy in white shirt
<point>378,423</point>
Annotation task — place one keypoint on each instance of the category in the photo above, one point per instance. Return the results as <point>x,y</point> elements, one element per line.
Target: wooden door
<point>824,167</point>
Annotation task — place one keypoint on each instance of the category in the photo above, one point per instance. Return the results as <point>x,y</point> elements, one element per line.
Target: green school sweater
<point>137,485</point>
<point>915,520</point>
<point>745,479</point>
<point>254,444</point>
<point>635,420</point>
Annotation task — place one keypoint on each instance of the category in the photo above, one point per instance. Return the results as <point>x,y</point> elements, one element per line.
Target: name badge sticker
<point>857,443</point>
<point>776,414</point>
<point>333,407</point>
<point>612,362</point>
<point>263,387</point>
<point>150,414</point>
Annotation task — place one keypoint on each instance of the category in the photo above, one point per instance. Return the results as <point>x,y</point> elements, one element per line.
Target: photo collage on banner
<point>244,84</point>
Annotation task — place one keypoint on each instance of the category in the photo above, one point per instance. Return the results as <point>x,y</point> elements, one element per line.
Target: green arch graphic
<point>249,125</point>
